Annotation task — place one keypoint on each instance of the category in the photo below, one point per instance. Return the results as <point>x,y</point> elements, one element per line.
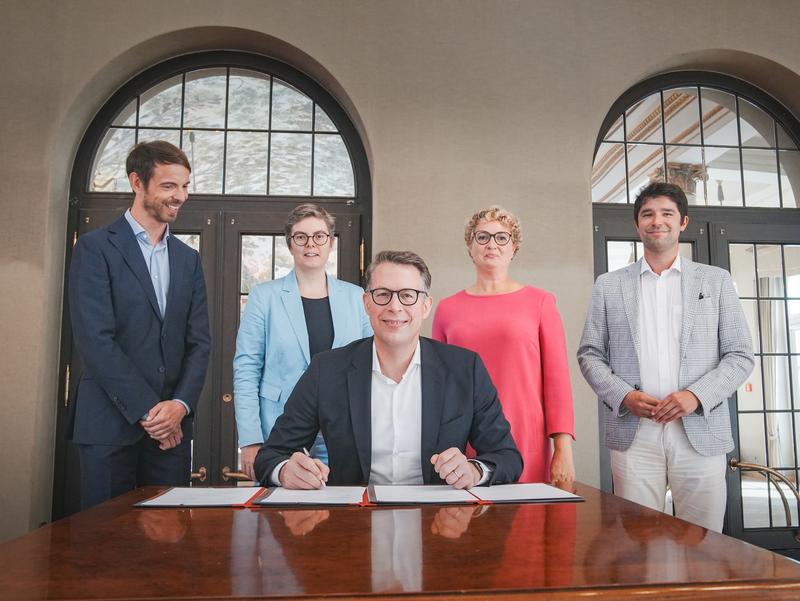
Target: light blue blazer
<point>272,349</point>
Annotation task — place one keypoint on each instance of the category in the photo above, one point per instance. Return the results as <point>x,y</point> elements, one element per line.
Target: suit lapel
<point>176,272</point>
<point>121,236</point>
<point>359,394</point>
<point>433,380</point>
<point>293,305</point>
<point>631,289</point>
<point>691,281</point>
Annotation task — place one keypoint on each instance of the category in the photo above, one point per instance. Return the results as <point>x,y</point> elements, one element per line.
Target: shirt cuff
<point>485,470</point>
<point>185,406</point>
<point>273,477</point>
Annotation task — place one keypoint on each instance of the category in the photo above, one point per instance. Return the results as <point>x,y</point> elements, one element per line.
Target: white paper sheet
<point>521,493</point>
<point>330,495</point>
<point>202,497</point>
<point>411,495</point>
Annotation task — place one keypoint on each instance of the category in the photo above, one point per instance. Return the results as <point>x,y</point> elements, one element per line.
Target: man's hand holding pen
<point>304,472</point>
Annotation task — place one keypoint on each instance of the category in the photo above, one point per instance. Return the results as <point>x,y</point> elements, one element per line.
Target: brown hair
<point>401,257</point>
<point>144,157</point>
<point>303,211</point>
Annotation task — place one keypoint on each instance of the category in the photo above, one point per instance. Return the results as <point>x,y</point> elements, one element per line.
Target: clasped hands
<point>670,408</point>
<point>305,472</point>
<point>163,423</point>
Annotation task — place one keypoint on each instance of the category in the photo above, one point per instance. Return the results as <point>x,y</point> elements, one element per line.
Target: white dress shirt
<point>396,424</point>
<point>660,320</point>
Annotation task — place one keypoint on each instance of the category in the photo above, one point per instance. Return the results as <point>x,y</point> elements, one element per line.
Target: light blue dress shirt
<point>157,260</point>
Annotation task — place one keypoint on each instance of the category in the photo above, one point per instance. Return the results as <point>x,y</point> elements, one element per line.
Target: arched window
<point>724,144</point>
<point>734,150</point>
<point>262,137</point>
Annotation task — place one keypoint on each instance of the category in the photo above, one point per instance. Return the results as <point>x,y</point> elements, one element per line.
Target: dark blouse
<point>319,323</point>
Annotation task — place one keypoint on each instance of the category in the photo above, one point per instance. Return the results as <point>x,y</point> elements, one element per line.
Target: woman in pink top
<point>518,333</point>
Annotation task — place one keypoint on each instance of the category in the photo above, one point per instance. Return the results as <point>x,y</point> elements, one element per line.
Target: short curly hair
<point>494,213</point>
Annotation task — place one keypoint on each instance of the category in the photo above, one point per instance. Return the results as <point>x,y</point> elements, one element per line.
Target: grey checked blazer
<point>715,349</point>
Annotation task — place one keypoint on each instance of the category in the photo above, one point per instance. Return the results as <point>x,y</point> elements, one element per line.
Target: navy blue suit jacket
<point>133,358</point>
<point>459,405</point>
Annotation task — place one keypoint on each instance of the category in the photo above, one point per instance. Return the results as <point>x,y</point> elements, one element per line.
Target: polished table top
<point>604,548</point>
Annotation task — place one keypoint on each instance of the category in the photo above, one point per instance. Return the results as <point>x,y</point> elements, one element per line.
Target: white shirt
<point>396,415</point>
<point>660,320</point>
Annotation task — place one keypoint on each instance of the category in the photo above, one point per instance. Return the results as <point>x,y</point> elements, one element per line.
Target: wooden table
<point>605,548</point>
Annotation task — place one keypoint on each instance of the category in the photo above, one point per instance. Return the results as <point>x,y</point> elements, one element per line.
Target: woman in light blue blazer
<point>285,323</point>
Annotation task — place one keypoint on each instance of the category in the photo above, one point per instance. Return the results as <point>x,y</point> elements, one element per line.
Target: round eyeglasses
<point>319,238</point>
<point>501,238</point>
<point>406,296</point>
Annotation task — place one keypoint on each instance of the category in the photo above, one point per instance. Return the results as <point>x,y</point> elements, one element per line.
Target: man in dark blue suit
<point>140,321</point>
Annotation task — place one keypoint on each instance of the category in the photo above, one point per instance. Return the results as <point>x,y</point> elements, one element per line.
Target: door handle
<point>735,463</point>
<point>228,474</point>
<point>200,474</point>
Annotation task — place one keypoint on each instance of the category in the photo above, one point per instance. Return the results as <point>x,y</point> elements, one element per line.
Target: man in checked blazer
<point>664,346</point>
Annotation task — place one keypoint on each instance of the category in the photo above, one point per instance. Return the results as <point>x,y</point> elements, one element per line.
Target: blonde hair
<point>495,213</point>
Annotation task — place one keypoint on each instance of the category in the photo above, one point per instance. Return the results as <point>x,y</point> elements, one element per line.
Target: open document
<point>503,493</point>
<point>330,495</point>
<point>227,496</point>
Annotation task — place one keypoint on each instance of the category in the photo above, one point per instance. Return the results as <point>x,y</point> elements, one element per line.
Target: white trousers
<point>661,456</point>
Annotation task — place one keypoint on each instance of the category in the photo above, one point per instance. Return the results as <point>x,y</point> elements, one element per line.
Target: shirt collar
<point>139,231</point>
<point>376,364</point>
<point>676,265</point>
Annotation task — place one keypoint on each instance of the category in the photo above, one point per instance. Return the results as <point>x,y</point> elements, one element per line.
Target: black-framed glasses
<point>482,237</point>
<point>406,296</point>
<point>319,238</point>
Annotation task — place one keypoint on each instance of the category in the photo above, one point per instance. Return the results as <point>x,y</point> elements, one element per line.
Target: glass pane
<point>682,116</point>
<point>724,184</point>
<point>790,178</point>
<point>793,307</point>
<point>173,136</point>
<point>685,169</point>
<point>321,120</point>
<point>256,260</point>
<point>645,165</point>
<point>791,258</point>
<point>778,508</point>
<point>758,128</point>
<point>719,118</point>
<point>127,116</point>
<point>108,171</point>
<point>750,308</point>
<point>242,304</point>
<point>290,164</point>
<point>291,109</point>
<point>795,362</point>
<point>248,100</point>
<point>751,438</point>
<point>784,141</point>
<point>685,250</point>
<point>204,98</point>
<point>773,326</point>
<point>760,178</point>
<point>190,240</point>
<point>776,391</point>
<point>619,254</point>
<point>743,268</point>
<point>246,163</point>
<point>755,500</point>
<point>333,173</point>
<point>643,120</point>
<point>608,174</point>
<point>284,262</point>
<point>615,132</point>
<point>749,396</point>
<point>770,270</point>
<point>205,150</point>
<point>160,106</point>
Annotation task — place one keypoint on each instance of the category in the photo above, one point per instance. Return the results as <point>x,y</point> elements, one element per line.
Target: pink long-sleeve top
<point>520,338</point>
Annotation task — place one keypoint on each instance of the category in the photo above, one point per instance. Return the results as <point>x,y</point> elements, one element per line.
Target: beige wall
<point>461,104</point>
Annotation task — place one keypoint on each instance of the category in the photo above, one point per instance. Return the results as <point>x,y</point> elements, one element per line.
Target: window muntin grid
<point>245,132</point>
<point>721,148</point>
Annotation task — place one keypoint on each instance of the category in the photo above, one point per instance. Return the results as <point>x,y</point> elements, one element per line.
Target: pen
<point>307,454</point>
